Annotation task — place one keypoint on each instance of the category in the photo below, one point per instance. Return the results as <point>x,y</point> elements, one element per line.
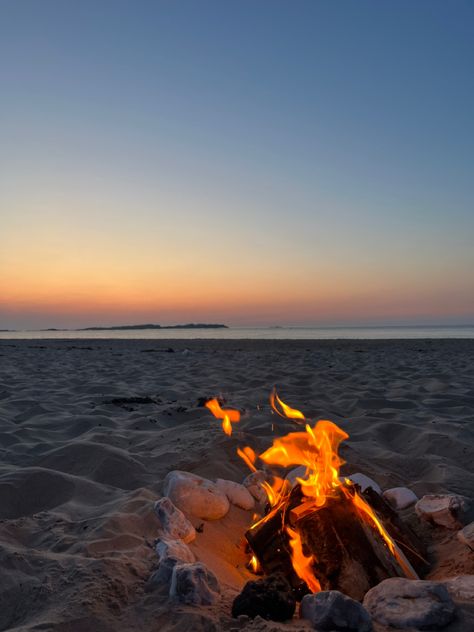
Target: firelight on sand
<point>317,450</point>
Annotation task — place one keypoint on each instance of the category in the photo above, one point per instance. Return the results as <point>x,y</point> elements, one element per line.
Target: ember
<point>323,532</point>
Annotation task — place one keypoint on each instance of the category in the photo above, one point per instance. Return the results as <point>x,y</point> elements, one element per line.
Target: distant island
<point>149,326</point>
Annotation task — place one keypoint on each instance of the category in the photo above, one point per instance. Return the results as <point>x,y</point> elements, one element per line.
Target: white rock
<point>364,482</point>
<point>407,603</point>
<point>460,587</point>
<point>442,509</point>
<point>236,493</point>
<point>196,496</point>
<point>194,584</point>
<point>165,547</point>
<point>331,610</point>
<point>173,523</point>
<point>400,497</point>
<point>253,482</point>
<point>466,535</point>
<point>297,472</point>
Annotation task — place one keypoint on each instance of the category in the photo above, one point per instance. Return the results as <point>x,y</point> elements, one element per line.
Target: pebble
<point>173,523</point>
<point>297,472</point>
<point>194,584</point>
<point>364,482</point>
<point>165,547</point>
<point>236,493</point>
<point>253,482</point>
<point>460,587</point>
<point>442,509</point>
<point>332,610</point>
<point>196,496</point>
<point>400,497</point>
<point>466,536</point>
<point>407,603</point>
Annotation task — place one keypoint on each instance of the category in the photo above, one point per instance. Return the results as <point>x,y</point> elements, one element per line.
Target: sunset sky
<point>250,162</point>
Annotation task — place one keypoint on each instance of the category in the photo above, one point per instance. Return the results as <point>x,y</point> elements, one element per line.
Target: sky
<point>252,163</point>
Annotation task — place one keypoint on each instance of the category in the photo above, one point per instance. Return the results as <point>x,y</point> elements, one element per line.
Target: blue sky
<point>298,162</point>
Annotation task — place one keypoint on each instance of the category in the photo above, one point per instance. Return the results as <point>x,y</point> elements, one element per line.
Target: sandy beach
<point>81,466</point>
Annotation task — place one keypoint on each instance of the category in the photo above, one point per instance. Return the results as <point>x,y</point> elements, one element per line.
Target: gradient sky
<point>247,162</point>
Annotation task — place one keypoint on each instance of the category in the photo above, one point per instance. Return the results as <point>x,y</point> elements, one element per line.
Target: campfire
<point>321,531</point>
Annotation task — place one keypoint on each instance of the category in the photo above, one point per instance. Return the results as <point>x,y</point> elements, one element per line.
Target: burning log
<point>341,547</point>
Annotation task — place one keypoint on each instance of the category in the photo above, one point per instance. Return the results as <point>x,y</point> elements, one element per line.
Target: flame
<point>254,565</point>
<point>366,511</point>
<point>248,456</point>
<point>228,415</point>
<point>316,449</point>
<point>301,563</point>
<point>286,411</point>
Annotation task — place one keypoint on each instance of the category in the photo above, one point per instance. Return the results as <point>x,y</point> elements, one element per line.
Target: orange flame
<point>366,510</point>
<point>227,415</point>
<point>316,449</point>
<point>254,565</point>
<point>286,411</point>
<point>248,456</point>
<point>301,563</point>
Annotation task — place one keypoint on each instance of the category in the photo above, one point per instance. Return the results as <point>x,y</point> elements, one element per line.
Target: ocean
<point>255,333</point>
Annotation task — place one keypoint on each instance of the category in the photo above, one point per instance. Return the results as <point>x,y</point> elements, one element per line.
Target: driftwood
<point>349,554</point>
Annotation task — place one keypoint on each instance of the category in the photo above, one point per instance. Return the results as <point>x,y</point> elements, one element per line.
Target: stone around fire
<point>445,510</point>
<point>460,587</point>
<point>170,553</point>
<point>165,547</point>
<point>400,497</point>
<point>196,496</point>
<point>364,482</point>
<point>407,603</point>
<point>253,482</point>
<point>173,523</point>
<point>270,598</point>
<point>466,536</point>
<point>332,610</point>
<point>194,584</point>
<point>236,493</point>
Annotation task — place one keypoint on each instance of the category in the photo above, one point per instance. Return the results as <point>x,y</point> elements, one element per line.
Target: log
<point>349,554</point>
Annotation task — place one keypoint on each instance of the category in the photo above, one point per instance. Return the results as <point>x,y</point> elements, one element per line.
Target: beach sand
<point>79,473</point>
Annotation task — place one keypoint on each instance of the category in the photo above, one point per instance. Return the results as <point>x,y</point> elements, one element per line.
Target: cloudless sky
<point>248,162</point>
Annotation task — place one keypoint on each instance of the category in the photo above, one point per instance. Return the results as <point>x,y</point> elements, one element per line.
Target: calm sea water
<point>255,333</point>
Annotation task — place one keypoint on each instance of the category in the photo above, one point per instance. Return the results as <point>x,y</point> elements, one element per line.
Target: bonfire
<point>318,529</point>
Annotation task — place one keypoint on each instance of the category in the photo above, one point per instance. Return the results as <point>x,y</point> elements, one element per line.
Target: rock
<point>407,603</point>
<point>177,549</point>
<point>466,535</point>
<point>236,493</point>
<point>297,472</point>
<point>173,523</point>
<point>253,482</point>
<point>442,509</point>
<point>460,587</point>
<point>269,598</point>
<point>400,497</point>
<point>194,584</point>
<point>364,482</point>
<point>196,496</point>
<point>331,610</point>
<point>171,553</point>
<point>162,576</point>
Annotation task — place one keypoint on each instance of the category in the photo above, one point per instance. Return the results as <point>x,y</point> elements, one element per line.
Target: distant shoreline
<point>147,326</point>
